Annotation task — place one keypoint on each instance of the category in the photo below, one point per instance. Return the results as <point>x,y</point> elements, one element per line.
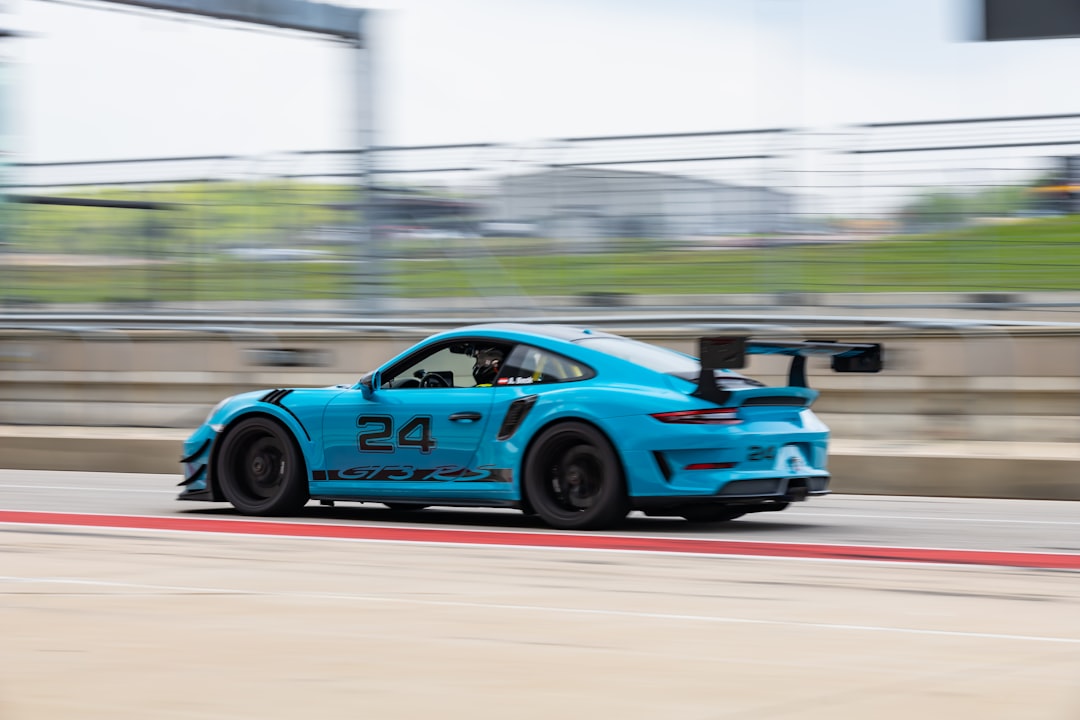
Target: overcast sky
<point>90,83</point>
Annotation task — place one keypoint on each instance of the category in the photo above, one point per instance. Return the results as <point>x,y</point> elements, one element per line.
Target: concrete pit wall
<point>959,411</point>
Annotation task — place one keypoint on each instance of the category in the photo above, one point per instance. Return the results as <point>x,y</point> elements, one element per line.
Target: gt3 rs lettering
<point>379,429</point>
<point>409,473</point>
<point>403,473</point>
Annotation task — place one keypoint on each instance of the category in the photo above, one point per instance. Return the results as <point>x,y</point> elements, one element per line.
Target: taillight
<point>711,466</point>
<point>711,416</point>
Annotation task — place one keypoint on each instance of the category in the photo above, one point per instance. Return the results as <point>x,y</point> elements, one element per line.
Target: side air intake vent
<point>517,412</point>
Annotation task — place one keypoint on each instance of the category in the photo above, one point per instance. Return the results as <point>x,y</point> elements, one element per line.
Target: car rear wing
<point>720,353</point>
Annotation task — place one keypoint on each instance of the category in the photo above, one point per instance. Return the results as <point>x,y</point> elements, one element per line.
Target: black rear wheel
<point>260,469</point>
<point>573,479</point>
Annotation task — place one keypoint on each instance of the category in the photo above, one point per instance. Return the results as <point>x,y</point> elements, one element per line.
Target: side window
<point>450,365</point>
<point>438,369</point>
<point>529,365</point>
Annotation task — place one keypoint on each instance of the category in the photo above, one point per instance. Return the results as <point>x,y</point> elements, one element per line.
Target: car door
<point>415,437</point>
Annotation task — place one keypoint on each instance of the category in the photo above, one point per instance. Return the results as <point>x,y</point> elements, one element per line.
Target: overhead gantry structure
<point>335,23</point>
<point>320,18</point>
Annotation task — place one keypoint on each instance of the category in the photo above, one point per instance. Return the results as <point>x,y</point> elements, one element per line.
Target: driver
<point>486,367</point>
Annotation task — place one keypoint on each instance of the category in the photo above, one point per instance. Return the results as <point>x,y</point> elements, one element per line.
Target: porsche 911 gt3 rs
<point>577,426</point>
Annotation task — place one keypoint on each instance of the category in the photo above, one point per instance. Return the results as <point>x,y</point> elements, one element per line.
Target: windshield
<point>649,356</point>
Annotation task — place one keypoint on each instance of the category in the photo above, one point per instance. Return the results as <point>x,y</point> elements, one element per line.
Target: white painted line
<point>640,615</point>
<point>949,520</point>
<point>88,489</point>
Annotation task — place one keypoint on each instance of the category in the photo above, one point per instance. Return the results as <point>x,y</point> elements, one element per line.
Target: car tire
<point>709,513</point>
<point>573,479</point>
<point>260,469</point>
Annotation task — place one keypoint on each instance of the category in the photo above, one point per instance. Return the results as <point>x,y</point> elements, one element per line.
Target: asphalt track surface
<point>118,602</point>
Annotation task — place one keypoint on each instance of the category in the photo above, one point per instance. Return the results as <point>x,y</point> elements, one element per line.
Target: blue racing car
<point>577,426</point>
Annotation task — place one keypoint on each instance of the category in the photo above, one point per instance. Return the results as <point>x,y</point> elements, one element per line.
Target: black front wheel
<point>260,469</point>
<point>573,479</point>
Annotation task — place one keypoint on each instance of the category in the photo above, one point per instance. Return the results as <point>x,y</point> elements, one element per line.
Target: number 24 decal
<point>761,452</point>
<point>415,433</point>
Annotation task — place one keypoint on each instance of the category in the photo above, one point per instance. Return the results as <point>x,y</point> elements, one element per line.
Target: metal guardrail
<point>238,323</point>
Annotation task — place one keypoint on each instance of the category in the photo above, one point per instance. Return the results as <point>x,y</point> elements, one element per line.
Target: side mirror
<point>369,383</point>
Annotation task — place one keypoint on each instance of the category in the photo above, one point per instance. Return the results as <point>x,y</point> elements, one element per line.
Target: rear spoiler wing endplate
<point>729,353</point>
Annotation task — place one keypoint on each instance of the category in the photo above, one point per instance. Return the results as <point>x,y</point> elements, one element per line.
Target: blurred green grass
<point>1032,255</point>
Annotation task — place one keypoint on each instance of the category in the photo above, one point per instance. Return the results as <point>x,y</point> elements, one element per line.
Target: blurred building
<point>577,203</point>
<point>404,211</point>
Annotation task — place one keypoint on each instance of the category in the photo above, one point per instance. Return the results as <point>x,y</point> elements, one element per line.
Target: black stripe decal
<point>274,397</point>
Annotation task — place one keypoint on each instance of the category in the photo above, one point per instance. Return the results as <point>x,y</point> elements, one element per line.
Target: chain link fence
<point>970,206</point>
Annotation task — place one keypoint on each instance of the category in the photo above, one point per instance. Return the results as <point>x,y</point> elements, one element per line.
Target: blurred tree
<point>942,209</point>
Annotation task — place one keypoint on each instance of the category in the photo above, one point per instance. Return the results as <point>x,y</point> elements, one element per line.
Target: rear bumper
<point>753,460</point>
<point>751,493</point>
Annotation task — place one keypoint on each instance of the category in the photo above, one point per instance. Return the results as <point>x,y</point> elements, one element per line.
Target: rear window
<point>529,365</point>
<point>663,360</point>
<point>648,356</point>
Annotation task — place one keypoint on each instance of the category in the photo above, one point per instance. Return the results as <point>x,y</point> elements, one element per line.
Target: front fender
<point>306,439</point>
